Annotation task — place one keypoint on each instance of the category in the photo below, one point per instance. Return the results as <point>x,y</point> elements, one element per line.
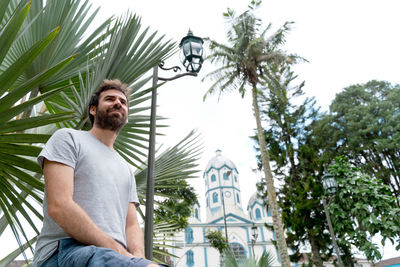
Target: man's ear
<point>92,111</point>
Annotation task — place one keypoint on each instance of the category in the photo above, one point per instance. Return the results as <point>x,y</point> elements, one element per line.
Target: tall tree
<point>363,125</point>
<point>296,163</point>
<point>363,208</point>
<point>245,61</point>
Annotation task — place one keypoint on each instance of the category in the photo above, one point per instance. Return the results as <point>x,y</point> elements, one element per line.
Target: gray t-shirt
<point>104,184</point>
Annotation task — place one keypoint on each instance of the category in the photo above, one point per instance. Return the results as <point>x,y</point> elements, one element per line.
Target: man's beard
<point>110,121</point>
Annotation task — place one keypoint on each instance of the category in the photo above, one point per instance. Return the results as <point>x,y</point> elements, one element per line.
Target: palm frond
<point>10,257</point>
<point>19,183</point>
<point>180,160</point>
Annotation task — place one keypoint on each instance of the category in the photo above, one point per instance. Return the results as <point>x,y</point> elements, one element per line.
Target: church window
<point>235,178</point>
<point>196,213</point>
<point>238,250</point>
<point>189,235</point>
<point>258,213</point>
<point>213,178</point>
<point>215,197</point>
<point>226,176</point>
<point>189,258</point>
<point>237,197</point>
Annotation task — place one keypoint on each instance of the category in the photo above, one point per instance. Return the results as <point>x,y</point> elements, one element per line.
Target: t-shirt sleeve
<point>60,148</point>
<point>133,195</point>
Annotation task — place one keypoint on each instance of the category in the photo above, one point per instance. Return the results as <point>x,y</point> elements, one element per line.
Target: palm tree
<point>247,61</point>
<point>49,67</point>
<point>266,260</point>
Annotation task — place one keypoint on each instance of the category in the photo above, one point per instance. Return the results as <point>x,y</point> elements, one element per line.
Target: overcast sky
<point>345,42</point>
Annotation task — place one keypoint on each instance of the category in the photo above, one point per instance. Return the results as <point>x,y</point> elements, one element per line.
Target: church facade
<point>224,208</point>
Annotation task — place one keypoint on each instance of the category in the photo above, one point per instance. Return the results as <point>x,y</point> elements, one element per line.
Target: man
<point>90,192</point>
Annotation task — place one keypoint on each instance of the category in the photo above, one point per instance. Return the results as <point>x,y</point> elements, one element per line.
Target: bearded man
<point>90,199</point>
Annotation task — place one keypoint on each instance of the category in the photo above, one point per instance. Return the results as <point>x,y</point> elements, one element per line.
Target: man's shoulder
<point>69,132</point>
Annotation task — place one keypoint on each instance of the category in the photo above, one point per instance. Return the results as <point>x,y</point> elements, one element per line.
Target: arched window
<point>235,178</point>
<point>189,235</point>
<point>238,250</point>
<point>196,213</point>
<point>237,197</point>
<point>226,176</point>
<point>215,197</point>
<point>258,213</point>
<point>213,179</point>
<point>189,258</point>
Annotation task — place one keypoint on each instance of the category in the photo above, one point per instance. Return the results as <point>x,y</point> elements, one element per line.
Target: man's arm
<point>59,181</point>
<point>134,235</point>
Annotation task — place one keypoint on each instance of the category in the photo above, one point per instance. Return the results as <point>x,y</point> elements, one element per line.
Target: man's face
<point>112,110</point>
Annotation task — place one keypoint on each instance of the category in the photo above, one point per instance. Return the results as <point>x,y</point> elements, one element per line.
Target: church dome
<point>218,161</point>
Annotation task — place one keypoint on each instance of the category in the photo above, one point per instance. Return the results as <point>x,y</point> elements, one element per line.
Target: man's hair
<point>107,85</point>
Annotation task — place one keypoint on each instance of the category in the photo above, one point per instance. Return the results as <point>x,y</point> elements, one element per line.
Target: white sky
<point>345,42</point>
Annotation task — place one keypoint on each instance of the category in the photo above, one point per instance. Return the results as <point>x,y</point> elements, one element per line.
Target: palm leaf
<point>10,31</point>
<point>126,44</point>
<point>10,257</point>
<point>73,19</point>
<point>19,175</point>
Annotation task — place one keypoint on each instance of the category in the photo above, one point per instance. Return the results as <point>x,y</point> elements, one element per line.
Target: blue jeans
<point>71,253</point>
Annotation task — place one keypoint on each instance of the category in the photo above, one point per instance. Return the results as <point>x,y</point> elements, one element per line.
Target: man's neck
<point>105,136</point>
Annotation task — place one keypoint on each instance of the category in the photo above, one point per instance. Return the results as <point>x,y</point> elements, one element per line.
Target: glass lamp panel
<point>329,183</point>
<point>197,48</point>
<point>186,49</point>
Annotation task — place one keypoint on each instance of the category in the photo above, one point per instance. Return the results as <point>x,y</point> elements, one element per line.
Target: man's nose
<point>117,103</point>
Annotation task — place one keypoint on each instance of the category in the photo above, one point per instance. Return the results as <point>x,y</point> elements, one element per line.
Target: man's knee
<point>153,265</point>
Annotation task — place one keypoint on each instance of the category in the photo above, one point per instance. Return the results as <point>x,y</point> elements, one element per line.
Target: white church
<point>224,206</point>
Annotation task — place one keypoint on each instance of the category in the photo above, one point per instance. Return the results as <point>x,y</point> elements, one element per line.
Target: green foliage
<point>364,126</point>
<point>249,52</point>
<point>217,241</point>
<point>19,173</point>
<point>363,207</point>
<point>176,210</point>
<point>296,163</point>
<point>266,260</point>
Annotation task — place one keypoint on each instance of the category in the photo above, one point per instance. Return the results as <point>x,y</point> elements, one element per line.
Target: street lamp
<point>192,50</point>
<point>254,235</point>
<point>330,185</point>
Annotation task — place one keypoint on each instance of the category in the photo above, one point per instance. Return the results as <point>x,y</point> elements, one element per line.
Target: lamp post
<point>192,53</point>
<point>330,185</point>
<point>254,235</point>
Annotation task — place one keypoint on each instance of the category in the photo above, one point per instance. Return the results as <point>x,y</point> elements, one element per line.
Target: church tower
<point>222,188</point>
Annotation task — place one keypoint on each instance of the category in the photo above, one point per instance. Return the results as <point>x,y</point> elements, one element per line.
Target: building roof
<point>253,199</point>
<point>219,160</point>
<point>389,262</point>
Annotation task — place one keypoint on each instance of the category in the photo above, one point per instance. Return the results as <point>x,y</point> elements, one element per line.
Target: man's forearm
<point>77,224</point>
<point>134,235</point>
<point>135,240</point>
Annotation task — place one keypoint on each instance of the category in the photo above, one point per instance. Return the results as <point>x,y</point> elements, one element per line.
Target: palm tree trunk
<point>276,217</point>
